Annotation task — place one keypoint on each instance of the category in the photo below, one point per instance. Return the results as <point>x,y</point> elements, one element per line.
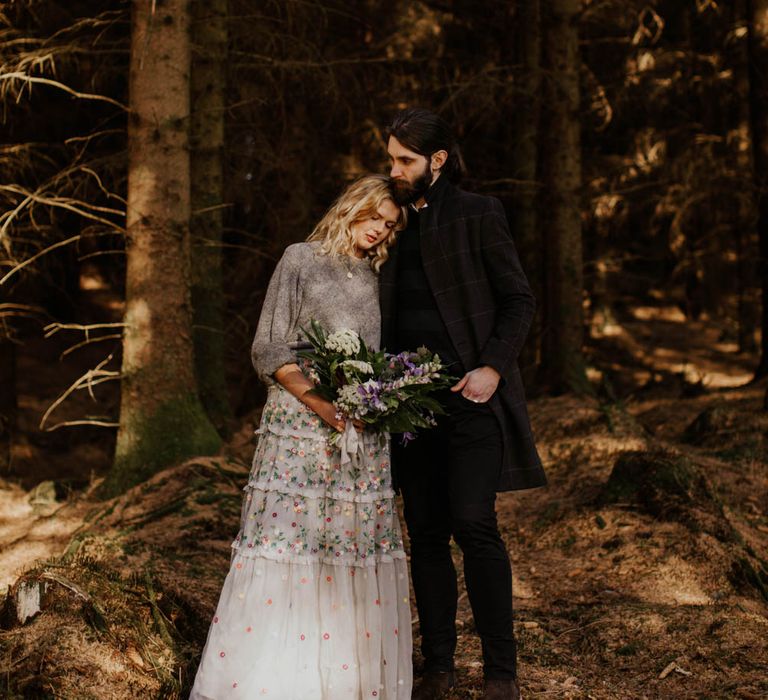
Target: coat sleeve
<point>275,334</point>
<point>515,302</point>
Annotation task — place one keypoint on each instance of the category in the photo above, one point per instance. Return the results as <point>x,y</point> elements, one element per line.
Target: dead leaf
<point>667,670</point>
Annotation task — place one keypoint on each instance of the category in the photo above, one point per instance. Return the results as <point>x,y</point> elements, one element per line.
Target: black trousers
<point>448,479</point>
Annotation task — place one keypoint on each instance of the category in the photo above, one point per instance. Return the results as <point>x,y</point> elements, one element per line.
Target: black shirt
<point>418,319</point>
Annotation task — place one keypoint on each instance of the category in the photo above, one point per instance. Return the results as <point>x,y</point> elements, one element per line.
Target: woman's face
<point>367,233</point>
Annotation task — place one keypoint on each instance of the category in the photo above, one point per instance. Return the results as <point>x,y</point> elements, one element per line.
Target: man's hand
<point>479,384</point>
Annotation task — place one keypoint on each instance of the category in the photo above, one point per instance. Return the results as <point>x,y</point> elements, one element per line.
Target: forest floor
<point>639,572</point>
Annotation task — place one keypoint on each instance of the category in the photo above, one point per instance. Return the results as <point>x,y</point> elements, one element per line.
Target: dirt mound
<point>668,486</point>
<point>637,571</point>
<point>123,612</point>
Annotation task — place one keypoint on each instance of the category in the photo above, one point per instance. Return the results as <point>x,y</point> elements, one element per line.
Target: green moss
<point>644,475</point>
<point>549,514</point>
<point>209,496</point>
<point>628,649</point>
<point>177,430</point>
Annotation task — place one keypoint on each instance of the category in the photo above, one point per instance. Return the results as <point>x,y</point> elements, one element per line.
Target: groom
<point>453,283</point>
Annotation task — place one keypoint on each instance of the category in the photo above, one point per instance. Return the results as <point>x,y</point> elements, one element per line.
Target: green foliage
<point>396,388</point>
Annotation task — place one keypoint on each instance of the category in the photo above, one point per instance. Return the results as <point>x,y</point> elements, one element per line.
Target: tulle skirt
<point>315,604</point>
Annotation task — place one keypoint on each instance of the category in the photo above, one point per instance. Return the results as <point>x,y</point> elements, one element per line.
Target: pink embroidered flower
<point>222,654</point>
<point>326,635</point>
<point>302,637</point>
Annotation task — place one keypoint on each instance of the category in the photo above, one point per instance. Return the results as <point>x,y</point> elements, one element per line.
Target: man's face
<point>410,172</point>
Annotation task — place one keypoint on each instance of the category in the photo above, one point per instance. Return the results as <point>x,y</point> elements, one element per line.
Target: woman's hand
<point>293,380</point>
<point>328,413</point>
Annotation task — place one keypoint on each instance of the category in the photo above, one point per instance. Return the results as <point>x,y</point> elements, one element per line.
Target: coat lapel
<point>435,258</point>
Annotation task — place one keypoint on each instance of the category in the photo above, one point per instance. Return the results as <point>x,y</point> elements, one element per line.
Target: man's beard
<point>405,193</point>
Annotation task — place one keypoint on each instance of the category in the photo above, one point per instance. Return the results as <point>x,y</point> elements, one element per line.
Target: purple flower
<point>405,438</point>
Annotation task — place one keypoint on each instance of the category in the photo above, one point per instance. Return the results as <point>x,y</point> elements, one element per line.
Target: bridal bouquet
<point>389,393</point>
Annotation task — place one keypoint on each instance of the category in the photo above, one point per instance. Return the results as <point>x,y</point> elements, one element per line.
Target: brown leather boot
<point>500,690</point>
<point>434,685</point>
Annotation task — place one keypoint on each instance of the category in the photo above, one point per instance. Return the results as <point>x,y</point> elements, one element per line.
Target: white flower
<point>349,401</point>
<point>359,365</point>
<point>345,341</point>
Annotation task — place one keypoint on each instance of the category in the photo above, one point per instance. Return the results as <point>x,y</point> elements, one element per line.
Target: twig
<point>86,380</point>
<point>28,261</point>
<point>53,246</point>
<point>578,629</point>
<point>87,341</point>
<point>90,421</point>
<point>16,75</point>
<point>53,328</point>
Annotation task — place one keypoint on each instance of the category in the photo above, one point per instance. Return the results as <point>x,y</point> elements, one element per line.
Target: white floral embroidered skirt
<point>315,605</point>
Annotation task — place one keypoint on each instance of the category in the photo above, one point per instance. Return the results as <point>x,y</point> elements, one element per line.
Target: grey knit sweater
<point>309,285</point>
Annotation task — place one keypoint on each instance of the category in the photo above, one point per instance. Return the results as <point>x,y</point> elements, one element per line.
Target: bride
<point>315,604</point>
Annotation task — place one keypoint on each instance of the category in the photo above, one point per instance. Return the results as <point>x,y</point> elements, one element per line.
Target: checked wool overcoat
<point>482,294</point>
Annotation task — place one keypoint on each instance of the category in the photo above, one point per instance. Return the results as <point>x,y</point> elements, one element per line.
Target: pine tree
<point>161,417</point>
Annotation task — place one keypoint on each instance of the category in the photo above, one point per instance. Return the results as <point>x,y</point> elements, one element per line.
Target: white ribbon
<point>349,443</point>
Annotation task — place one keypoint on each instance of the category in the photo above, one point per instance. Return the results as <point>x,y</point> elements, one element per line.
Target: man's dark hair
<point>425,133</point>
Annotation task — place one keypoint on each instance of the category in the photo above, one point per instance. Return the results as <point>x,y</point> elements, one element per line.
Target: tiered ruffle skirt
<point>315,604</point>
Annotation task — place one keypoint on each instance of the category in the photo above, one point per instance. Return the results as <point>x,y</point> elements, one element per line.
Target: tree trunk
<point>207,141</point>
<point>757,23</point>
<point>524,125</point>
<point>744,232</point>
<point>563,325</point>
<point>8,401</point>
<point>161,418</point>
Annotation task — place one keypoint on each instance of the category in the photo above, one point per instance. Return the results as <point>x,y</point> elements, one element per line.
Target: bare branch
<point>30,79</point>
<point>102,423</point>
<point>94,376</point>
<point>88,341</point>
<point>53,328</point>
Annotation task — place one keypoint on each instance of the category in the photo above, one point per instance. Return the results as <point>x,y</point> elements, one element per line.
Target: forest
<point>628,143</point>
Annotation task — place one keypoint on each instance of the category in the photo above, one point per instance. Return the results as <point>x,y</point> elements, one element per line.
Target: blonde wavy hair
<point>359,200</point>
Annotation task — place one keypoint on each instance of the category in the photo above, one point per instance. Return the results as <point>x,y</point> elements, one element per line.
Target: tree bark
<point>209,34</point>
<point>8,400</point>
<point>161,418</point>
<point>563,325</point>
<point>744,232</point>
<point>757,23</point>
<point>524,126</point>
